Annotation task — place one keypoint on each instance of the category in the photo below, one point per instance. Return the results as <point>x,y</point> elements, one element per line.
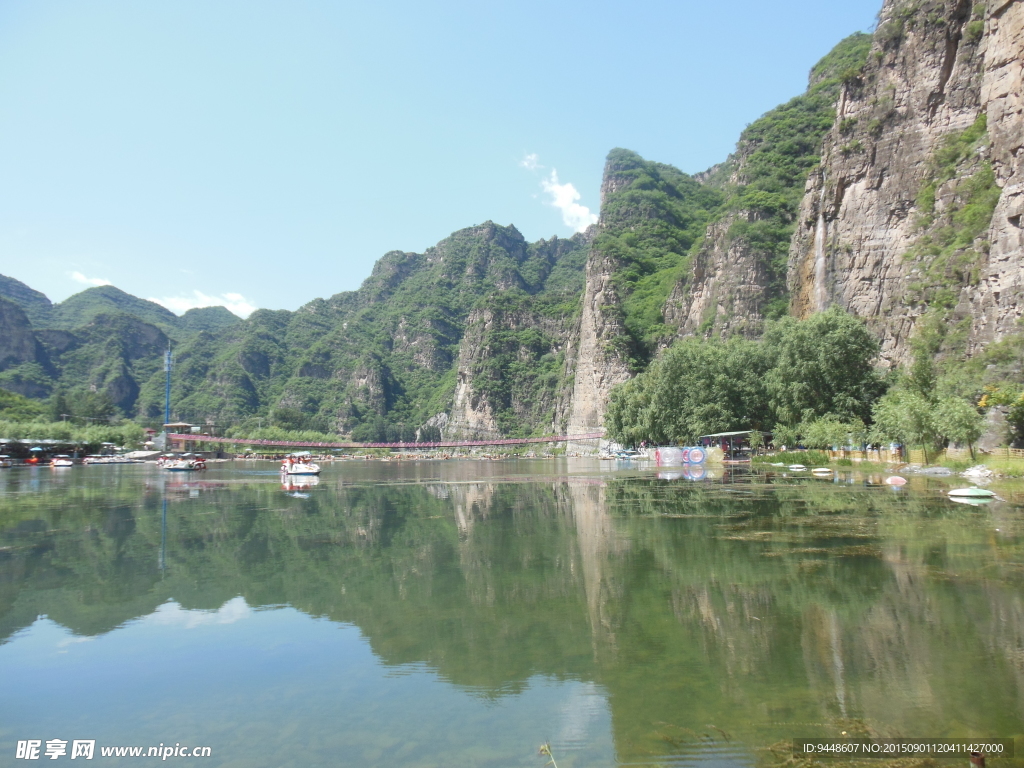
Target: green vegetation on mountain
<point>956,202</point>
<point>210,319</point>
<point>385,356</point>
<point>764,180</point>
<point>651,216</point>
<point>84,307</point>
<point>101,339</point>
<point>15,407</point>
<point>35,304</point>
<point>29,379</point>
<point>654,217</point>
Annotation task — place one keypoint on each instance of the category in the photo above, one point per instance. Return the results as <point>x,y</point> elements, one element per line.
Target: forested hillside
<point>101,340</point>
<point>378,362</point>
<point>889,190</point>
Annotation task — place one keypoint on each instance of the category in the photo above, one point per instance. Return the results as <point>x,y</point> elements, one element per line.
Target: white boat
<point>797,468</point>
<point>108,460</point>
<point>184,463</point>
<point>971,493</point>
<point>5,462</point>
<point>62,461</point>
<point>299,464</point>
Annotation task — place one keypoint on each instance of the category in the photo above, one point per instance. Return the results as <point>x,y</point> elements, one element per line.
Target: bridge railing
<point>196,438</point>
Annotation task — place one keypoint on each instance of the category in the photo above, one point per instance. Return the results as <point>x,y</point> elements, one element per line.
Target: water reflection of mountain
<point>764,612</point>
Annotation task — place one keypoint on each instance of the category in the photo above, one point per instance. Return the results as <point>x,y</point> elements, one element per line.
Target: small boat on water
<point>797,468</point>
<point>971,493</point>
<point>184,463</point>
<point>821,471</point>
<point>299,464</point>
<point>62,461</point>
<point>109,460</point>
<point>623,455</point>
<point>5,462</point>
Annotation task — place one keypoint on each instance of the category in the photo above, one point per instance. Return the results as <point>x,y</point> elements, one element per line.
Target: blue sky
<point>261,154</point>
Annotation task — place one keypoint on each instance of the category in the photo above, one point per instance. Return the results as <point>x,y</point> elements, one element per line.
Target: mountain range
<point>891,187</point>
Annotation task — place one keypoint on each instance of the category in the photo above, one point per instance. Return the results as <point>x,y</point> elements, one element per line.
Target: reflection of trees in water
<point>688,604</point>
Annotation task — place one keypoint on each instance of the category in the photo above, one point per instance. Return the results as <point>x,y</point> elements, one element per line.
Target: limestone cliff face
<point>600,364</point>
<point>472,414</point>
<point>737,275</point>
<point>490,398</point>
<point>510,374</point>
<point>19,345</point>
<point>726,289</point>
<point>599,353</point>
<point>998,301</point>
<point>877,216</point>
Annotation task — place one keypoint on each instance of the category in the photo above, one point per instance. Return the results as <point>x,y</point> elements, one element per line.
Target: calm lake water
<point>463,613</point>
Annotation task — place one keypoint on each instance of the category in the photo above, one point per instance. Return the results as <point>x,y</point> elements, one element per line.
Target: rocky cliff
<point>914,214</point>
<point>651,215</point>
<point>511,374</point>
<point>738,275</point>
<point>21,354</point>
<point>892,187</point>
<point>467,336</point>
<point>599,361</point>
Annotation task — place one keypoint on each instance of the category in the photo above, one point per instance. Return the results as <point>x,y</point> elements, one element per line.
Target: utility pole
<point>167,389</point>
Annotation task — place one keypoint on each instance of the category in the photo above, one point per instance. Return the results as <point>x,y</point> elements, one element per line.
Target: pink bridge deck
<point>444,444</point>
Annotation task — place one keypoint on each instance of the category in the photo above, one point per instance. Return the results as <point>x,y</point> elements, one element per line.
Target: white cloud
<point>530,162</point>
<point>78,277</point>
<point>235,302</point>
<point>564,197</point>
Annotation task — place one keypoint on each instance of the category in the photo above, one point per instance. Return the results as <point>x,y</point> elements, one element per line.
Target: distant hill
<point>100,338</point>
<point>473,328</point>
<point>210,319</point>
<point>33,303</point>
<point>81,308</point>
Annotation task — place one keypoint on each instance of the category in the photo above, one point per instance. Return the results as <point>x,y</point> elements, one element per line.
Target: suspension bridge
<point>270,443</point>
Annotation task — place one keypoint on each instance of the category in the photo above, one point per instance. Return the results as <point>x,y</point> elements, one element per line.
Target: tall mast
<point>167,389</point>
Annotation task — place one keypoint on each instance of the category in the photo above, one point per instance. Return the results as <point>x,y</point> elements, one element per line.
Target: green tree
<point>287,417</point>
<point>756,441</point>
<point>822,365</point>
<point>88,405</point>
<point>905,417</point>
<point>14,407</point>
<point>958,422</point>
<point>696,387</point>
<point>430,434</point>
<point>784,435</point>
<point>830,431</point>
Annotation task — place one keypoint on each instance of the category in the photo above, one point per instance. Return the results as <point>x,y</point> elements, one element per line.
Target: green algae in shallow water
<point>462,613</point>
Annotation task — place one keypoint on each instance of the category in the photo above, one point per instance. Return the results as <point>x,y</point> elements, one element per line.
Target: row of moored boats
<point>62,460</point>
